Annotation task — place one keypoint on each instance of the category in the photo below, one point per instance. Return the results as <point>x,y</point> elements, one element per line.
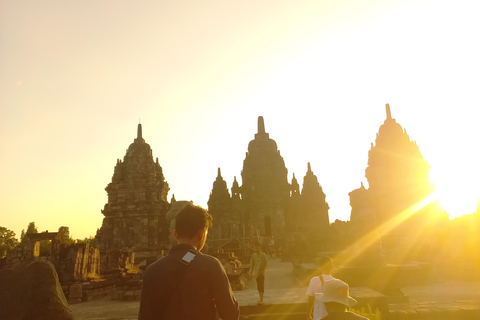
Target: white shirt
<point>316,286</point>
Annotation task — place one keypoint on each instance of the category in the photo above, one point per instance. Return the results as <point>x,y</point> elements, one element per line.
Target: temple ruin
<point>266,207</point>
<point>397,202</point>
<point>134,221</point>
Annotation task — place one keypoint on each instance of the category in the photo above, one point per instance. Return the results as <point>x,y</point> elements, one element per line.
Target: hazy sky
<point>76,77</point>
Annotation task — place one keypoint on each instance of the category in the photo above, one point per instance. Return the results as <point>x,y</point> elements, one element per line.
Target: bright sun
<point>456,199</point>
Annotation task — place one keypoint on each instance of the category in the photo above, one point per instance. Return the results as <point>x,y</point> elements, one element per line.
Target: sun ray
<point>364,243</point>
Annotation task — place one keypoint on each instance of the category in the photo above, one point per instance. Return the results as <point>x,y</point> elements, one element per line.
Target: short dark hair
<point>191,220</point>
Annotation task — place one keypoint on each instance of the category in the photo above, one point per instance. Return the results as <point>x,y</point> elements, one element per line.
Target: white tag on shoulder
<point>188,257</point>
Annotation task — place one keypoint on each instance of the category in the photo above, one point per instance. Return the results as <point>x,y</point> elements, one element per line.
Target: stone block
<point>117,295</point>
<point>86,298</point>
<point>32,291</point>
<point>87,286</point>
<point>75,291</point>
<point>74,301</point>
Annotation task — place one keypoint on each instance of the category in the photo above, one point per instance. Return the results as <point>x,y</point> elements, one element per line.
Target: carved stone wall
<point>136,208</point>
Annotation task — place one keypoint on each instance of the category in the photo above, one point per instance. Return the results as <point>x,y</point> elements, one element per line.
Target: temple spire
<point>389,114</point>
<point>139,134</point>
<point>219,173</point>
<point>309,167</point>
<point>261,125</point>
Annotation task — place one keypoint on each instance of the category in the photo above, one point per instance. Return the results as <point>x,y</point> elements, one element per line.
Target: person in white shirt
<point>316,309</point>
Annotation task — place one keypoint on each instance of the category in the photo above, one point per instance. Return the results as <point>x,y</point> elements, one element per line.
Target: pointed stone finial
<point>261,125</point>
<point>389,114</point>
<point>362,186</point>
<point>173,199</point>
<point>139,134</point>
<point>139,131</point>
<point>234,178</point>
<point>219,175</point>
<point>309,167</point>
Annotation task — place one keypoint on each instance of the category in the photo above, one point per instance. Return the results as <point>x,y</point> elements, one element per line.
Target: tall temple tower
<point>306,216</point>
<point>397,172</point>
<point>314,206</point>
<point>137,204</point>
<point>398,178</point>
<point>220,207</point>
<point>266,207</point>
<point>265,189</point>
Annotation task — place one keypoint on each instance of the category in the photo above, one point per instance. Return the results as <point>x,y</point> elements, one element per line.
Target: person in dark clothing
<point>336,298</point>
<point>186,284</point>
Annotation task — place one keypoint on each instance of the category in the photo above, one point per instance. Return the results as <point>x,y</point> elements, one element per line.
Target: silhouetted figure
<point>186,284</point>
<point>258,264</point>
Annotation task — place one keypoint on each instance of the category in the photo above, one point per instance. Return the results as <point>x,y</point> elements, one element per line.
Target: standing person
<point>336,298</point>
<point>258,264</point>
<point>186,284</point>
<point>316,286</point>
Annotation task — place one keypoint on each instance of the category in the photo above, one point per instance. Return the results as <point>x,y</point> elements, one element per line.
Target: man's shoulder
<point>260,255</point>
<point>205,260</point>
<point>201,261</point>
<point>327,277</point>
<point>159,263</point>
<point>315,280</point>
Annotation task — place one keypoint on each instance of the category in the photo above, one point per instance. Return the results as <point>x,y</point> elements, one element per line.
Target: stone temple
<point>137,204</point>
<point>397,201</point>
<point>266,206</point>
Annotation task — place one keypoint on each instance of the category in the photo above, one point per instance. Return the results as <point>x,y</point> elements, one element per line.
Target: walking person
<point>258,264</point>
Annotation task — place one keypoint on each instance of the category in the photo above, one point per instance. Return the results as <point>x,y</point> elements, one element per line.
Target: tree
<point>92,242</point>
<point>7,241</point>
<point>65,235</point>
<point>31,229</point>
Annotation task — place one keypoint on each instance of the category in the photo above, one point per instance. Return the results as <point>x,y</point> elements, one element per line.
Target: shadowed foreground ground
<point>281,287</point>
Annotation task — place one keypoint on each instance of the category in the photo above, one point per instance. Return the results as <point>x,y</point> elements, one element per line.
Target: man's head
<point>191,225</point>
<point>335,295</point>
<point>258,247</point>
<point>326,265</point>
